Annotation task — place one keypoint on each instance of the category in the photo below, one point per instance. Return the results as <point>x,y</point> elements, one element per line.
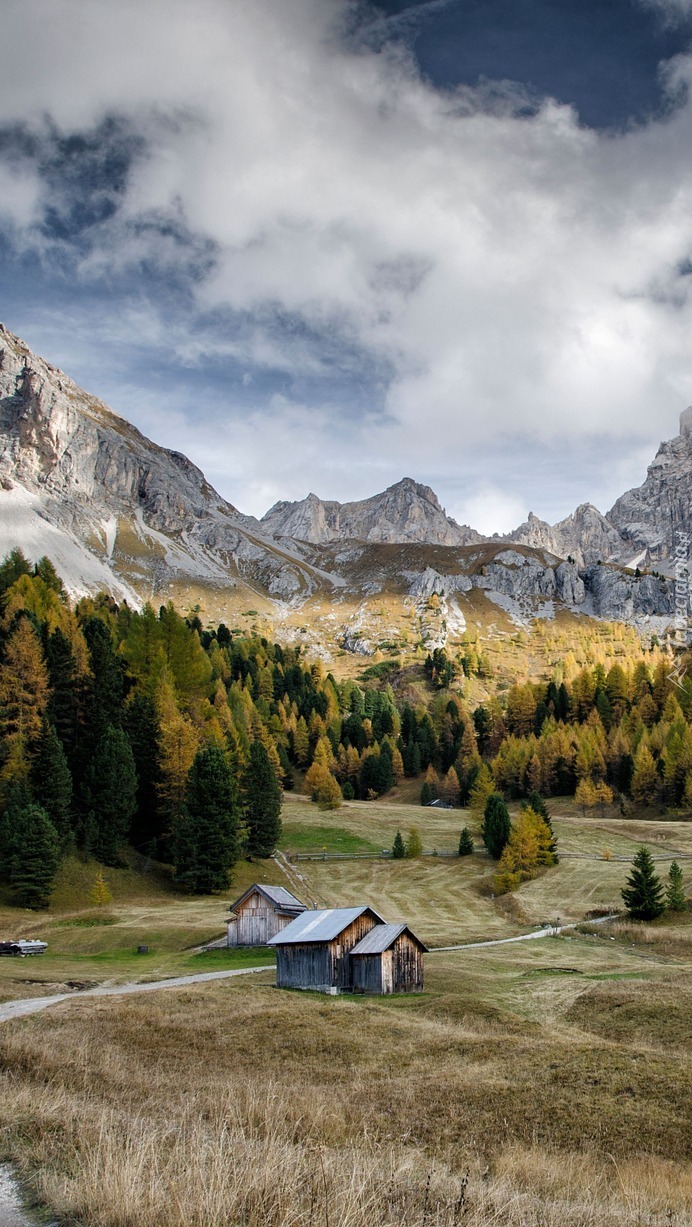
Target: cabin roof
<point>320,926</point>
<point>278,895</point>
<point>382,937</point>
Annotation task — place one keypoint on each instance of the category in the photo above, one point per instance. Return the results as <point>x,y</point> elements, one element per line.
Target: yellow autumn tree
<point>24,694</point>
<point>179,741</point>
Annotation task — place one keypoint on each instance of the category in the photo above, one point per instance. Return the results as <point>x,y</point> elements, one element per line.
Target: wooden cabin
<point>314,951</point>
<point>261,913</point>
<point>389,959</point>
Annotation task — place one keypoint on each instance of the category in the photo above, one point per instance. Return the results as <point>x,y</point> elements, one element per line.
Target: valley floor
<point>544,1083</point>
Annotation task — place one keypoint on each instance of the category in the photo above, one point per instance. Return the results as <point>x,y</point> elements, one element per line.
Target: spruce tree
<point>643,894</point>
<point>205,842</point>
<point>398,847</point>
<point>17,799</point>
<point>262,796</point>
<point>465,843</point>
<point>496,825</point>
<point>676,900</point>
<point>35,858</point>
<point>51,782</point>
<point>143,732</point>
<point>109,796</point>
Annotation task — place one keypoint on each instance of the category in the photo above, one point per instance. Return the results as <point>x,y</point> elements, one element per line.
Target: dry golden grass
<point>501,1095</point>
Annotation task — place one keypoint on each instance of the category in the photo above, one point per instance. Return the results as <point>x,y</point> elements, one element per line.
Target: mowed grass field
<point>544,1083</point>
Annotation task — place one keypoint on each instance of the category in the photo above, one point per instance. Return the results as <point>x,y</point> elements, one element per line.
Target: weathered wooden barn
<point>261,913</point>
<point>314,951</point>
<point>389,959</point>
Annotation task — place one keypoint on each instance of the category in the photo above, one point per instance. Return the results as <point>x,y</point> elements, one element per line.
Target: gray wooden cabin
<point>261,913</point>
<point>314,951</point>
<point>389,959</point>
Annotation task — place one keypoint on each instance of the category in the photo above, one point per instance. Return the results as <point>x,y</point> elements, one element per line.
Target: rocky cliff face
<point>110,495</point>
<point>650,518</point>
<point>404,512</point>
<point>585,535</point>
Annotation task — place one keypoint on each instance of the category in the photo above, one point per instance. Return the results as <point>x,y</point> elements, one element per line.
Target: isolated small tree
<point>643,894</point>
<point>496,825</point>
<point>398,847</point>
<point>329,794</point>
<point>676,900</point>
<point>465,843</point>
<point>35,859</point>
<point>100,894</point>
<point>426,794</point>
<point>414,845</point>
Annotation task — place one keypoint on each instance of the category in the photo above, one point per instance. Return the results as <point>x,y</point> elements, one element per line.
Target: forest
<point>143,728</point>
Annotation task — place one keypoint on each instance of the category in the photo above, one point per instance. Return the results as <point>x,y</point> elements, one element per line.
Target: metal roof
<point>322,926</point>
<point>276,894</point>
<point>381,938</point>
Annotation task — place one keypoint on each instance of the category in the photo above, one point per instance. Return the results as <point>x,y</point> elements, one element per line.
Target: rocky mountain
<point>404,512</point>
<point>651,518</point>
<point>109,506</point>
<point>117,512</point>
<point>585,535</point>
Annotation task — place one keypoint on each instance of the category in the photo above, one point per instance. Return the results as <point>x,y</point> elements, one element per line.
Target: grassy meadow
<point>544,1084</point>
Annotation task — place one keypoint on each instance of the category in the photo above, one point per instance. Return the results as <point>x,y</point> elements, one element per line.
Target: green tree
<point>109,796</point>
<point>143,730</point>
<point>398,847</point>
<point>465,843</point>
<point>51,781</point>
<point>676,900</point>
<point>414,845</point>
<point>643,894</point>
<point>205,844</point>
<point>262,797</point>
<point>496,825</point>
<point>35,858</point>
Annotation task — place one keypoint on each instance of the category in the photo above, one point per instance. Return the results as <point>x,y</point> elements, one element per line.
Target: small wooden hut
<point>314,951</point>
<point>389,959</point>
<point>261,913</point>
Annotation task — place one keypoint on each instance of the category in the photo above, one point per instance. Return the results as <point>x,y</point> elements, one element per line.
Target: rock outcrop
<point>404,512</point>
<point>585,535</point>
<point>651,517</point>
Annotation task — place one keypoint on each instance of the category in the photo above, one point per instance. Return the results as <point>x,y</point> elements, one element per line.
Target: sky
<point>320,245</point>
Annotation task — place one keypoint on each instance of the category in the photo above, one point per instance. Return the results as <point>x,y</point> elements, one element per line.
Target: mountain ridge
<point>118,512</point>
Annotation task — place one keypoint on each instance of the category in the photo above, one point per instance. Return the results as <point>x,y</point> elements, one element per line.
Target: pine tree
<point>496,825</point>
<point>109,796</point>
<point>643,895</point>
<point>676,900</point>
<point>262,797</point>
<point>143,732</point>
<point>465,843</point>
<point>205,841</point>
<point>51,781</point>
<point>398,847</point>
<point>35,859</point>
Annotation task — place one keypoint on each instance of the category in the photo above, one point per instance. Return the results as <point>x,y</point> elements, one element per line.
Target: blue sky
<point>320,245</point>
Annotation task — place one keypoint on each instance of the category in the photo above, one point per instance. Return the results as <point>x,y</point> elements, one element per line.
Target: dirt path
<point>32,1005</point>
<point>548,931</point>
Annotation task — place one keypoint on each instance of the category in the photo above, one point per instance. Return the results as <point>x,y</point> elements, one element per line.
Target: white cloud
<point>519,276</point>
